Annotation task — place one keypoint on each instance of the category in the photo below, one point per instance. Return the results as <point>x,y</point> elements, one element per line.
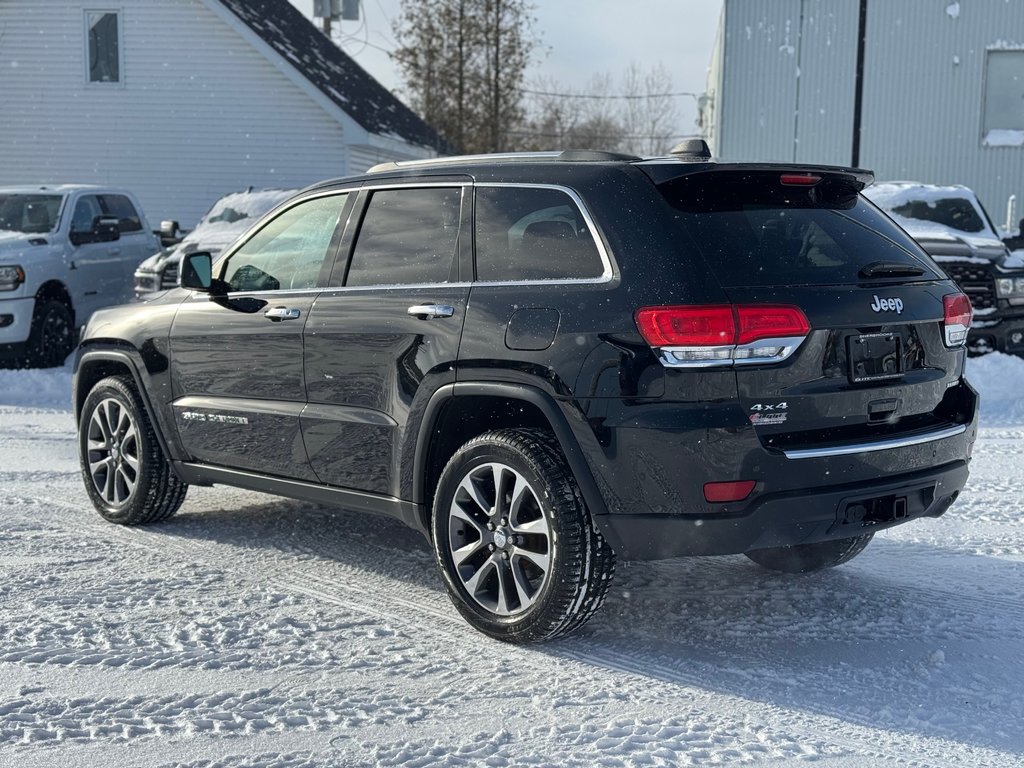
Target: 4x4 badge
<point>888,305</point>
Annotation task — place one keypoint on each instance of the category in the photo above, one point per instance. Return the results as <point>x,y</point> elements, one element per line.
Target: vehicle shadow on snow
<point>884,641</point>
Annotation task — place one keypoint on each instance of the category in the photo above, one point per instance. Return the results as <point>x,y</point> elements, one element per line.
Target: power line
<point>603,96</point>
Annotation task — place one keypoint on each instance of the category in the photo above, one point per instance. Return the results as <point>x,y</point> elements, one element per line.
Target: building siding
<point>200,112</point>
<point>924,79</point>
<point>924,82</point>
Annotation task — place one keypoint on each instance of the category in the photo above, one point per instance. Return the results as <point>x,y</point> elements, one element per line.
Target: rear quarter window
<point>754,231</point>
<point>533,233</point>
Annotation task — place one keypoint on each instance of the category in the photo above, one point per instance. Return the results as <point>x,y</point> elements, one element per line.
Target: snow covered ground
<point>256,631</point>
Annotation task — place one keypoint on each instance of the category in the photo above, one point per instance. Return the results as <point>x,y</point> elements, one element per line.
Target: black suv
<point>544,362</point>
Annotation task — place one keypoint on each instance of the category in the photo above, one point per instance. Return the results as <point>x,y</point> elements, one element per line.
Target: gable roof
<point>291,35</point>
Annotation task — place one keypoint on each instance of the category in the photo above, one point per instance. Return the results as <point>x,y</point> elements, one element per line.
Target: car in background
<point>65,251</point>
<point>951,224</point>
<point>228,219</point>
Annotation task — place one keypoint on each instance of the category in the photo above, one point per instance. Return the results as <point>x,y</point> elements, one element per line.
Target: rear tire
<point>515,544</point>
<point>126,474</point>
<point>805,558</point>
<point>52,336</point>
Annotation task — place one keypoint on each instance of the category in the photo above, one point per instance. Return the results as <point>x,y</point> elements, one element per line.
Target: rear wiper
<point>889,269</point>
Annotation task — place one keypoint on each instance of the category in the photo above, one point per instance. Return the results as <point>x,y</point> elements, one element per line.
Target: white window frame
<point>987,129</point>
<point>119,12</point>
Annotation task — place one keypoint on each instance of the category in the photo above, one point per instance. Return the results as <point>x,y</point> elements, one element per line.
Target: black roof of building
<point>283,27</point>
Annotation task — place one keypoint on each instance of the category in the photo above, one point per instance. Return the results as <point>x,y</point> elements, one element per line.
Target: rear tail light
<point>722,334</point>
<point>958,315</point>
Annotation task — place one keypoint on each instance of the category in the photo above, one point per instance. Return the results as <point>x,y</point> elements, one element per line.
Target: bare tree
<point>463,63</point>
<point>650,115</point>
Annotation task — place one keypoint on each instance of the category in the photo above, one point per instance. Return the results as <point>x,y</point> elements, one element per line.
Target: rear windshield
<point>752,230</point>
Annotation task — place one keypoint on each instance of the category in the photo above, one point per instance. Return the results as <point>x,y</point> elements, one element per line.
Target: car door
<point>135,244</point>
<point>93,267</point>
<point>236,358</point>
<point>385,335</point>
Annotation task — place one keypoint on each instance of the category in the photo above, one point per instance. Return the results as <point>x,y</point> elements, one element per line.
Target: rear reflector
<point>799,179</point>
<point>722,334</point>
<point>958,315</point>
<point>736,490</point>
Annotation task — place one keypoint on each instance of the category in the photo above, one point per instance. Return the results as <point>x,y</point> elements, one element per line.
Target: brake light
<point>722,334</point>
<point>767,322</point>
<point>958,315</point>
<point>697,326</point>
<point>799,179</point>
<point>736,490</point>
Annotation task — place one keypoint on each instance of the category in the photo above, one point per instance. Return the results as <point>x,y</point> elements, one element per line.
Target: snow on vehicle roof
<point>903,195</point>
<point>230,216</point>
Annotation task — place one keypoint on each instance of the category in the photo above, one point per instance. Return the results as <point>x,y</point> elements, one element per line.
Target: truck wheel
<point>514,542</point>
<point>126,474</point>
<point>804,558</point>
<point>52,336</point>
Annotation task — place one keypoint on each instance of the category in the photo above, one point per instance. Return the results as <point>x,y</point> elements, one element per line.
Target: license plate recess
<point>874,357</point>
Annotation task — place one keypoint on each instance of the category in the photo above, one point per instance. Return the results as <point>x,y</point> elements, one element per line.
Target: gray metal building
<point>928,90</point>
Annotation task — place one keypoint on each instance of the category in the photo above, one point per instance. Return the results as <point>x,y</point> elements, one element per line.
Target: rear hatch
<point>875,360</point>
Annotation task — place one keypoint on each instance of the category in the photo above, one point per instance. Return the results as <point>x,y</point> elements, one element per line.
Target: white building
<point>182,101</point>
<point>928,90</point>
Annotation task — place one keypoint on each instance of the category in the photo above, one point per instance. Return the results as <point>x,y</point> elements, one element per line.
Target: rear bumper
<point>789,518</point>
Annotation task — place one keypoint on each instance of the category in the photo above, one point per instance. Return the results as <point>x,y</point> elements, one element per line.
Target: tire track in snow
<point>429,617</point>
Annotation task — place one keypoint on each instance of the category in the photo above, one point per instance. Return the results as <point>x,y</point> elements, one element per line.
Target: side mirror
<point>105,229</point>
<point>196,272</point>
<point>169,233</point>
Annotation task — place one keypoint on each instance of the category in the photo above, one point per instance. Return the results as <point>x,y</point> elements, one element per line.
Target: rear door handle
<point>428,311</point>
<point>115,251</point>
<point>277,314</point>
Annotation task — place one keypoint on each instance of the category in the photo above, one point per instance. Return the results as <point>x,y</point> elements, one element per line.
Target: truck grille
<point>976,281</point>
<point>169,279</point>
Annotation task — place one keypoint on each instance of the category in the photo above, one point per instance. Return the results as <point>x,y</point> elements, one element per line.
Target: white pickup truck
<point>65,251</point>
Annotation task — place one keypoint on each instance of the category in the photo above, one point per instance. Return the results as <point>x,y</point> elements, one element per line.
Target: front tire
<point>52,336</point>
<point>805,558</point>
<point>126,474</point>
<point>514,542</point>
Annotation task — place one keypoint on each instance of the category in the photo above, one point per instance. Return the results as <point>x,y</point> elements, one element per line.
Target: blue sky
<point>579,38</point>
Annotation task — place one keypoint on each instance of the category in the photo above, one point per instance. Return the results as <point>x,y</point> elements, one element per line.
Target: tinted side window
<point>121,207</point>
<point>408,237</point>
<point>288,253</point>
<point>525,233</point>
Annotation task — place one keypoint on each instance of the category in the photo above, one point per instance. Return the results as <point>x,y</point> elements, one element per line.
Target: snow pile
<point>999,380</point>
<point>40,388</point>
<point>1004,137</point>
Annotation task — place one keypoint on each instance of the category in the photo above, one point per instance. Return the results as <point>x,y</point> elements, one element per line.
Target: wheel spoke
<point>465,516</point>
<point>462,554</point>
<point>109,417</point>
<point>539,559</point>
<point>502,476</point>
<point>505,587</point>
<point>523,588</point>
<point>538,527</point>
<point>520,493</point>
<point>475,494</point>
<point>109,485</point>
<point>473,582</point>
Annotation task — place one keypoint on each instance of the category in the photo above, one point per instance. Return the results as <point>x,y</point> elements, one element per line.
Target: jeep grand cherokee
<point>547,362</point>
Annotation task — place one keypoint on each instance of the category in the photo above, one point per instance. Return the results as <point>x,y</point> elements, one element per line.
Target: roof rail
<point>568,156</point>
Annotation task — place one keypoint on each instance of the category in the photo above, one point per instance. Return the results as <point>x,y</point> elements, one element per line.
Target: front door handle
<point>427,311</point>
<point>115,251</point>
<point>277,314</point>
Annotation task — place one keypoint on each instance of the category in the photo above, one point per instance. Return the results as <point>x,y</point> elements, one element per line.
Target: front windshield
<point>34,214</point>
<point>953,212</point>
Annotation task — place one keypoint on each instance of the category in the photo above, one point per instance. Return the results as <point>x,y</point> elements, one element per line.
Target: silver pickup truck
<point>65,251</point>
